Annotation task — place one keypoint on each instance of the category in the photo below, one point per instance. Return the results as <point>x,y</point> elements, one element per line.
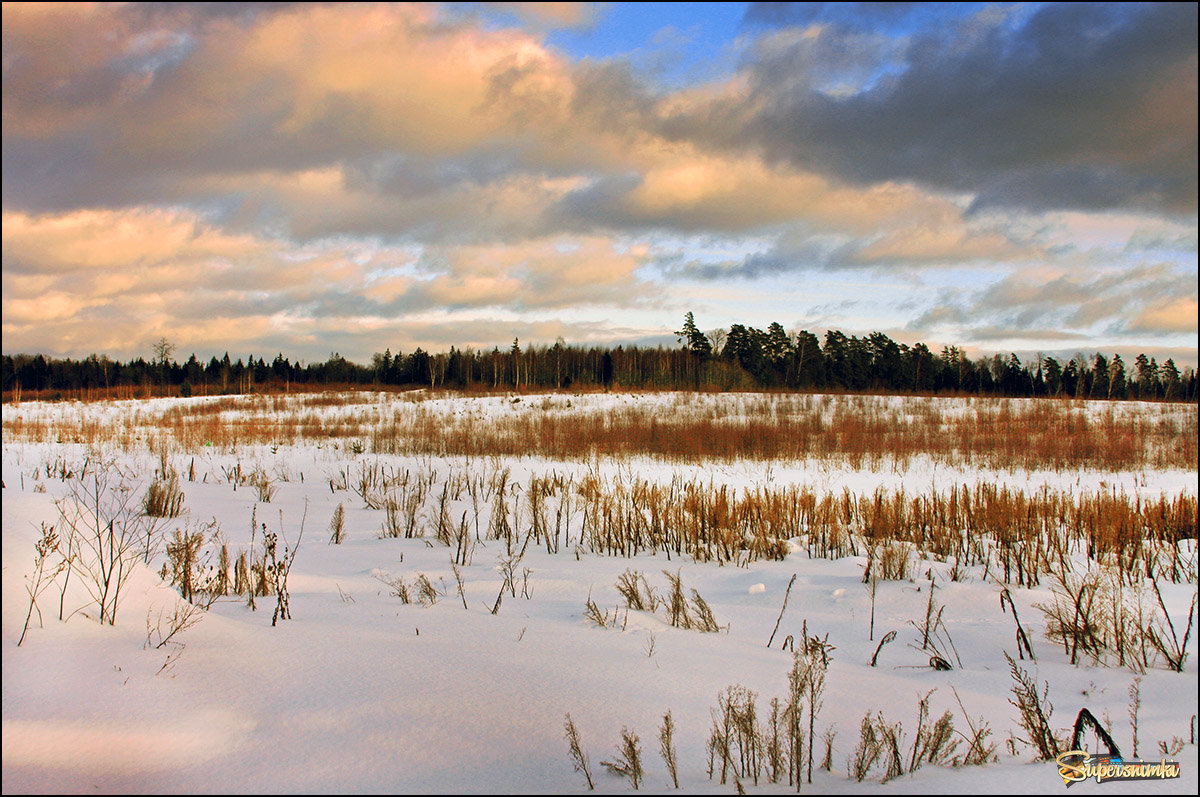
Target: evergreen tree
<point>695,340</point>
<point>1170,379</point>
<point>1116,377</point>
<point>1147,377</point>
<point>886,364</point>
<point>810,362</point>
<point>922,366</point>
<point>1099,381</point>
<point>1053,374</point>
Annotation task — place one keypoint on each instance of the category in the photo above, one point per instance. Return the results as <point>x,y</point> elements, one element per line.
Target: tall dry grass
<point>861,431</point>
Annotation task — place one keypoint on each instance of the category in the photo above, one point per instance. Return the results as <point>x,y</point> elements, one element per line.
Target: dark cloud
<point>600,204</point>
<point>410,176</point>
<point>1079,106</point>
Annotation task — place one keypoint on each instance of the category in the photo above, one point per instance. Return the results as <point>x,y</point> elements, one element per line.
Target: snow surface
<point>361,693</point>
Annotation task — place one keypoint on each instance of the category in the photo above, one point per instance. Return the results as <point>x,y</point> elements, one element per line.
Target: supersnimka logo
<point>1079,765</point>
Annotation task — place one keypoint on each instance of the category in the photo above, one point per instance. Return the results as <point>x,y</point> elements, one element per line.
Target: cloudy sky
<point>261,178</point>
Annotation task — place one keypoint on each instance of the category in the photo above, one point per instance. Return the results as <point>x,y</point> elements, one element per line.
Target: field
<point>423,592</point>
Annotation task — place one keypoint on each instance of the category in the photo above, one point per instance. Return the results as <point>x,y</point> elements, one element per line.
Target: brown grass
<point>862,431</point>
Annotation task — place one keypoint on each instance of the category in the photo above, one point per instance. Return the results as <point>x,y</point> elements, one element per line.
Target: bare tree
<point>102,518</point>
<point>717,339</point>
<point>163,350</point>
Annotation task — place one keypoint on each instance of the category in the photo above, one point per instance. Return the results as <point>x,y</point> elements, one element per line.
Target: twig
<point>781,609</point>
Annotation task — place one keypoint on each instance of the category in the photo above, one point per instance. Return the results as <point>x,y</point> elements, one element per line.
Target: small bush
<point>666,747</point>
<point>1035,711</point>
<point>164,498</point>
<point>337,526</point>
<point>629,759</point>
<point>578,757</point>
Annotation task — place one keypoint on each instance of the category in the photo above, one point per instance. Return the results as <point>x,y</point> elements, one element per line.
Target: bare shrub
<point>597,617</point>
<point>44,573</point>
<point>629,759</point>
<point>1070,618</point>
<point>774,740</point>
<point>337,526</point>
<point>1135,705</point>
<point>221,583</point>
<point>1167,751</point>
<point>183,616</point>
<point>578,757</point>
<point>427,593</point>
<point>370,485</point>
<point>979,750</point>
<point>890,738</point>
<point>704,620</point>
<point>395,585</point>
<point>107,530</point>
<point>806,681</point>
<point>183,555</point>
<point>393,525</point>
<point>630,585</point>
<point>735,739</point>
<point>1173,650</point>
<point>933,744</point>
<point>164,498</point>
<point>1034,712</point>
<point>264,488</point>
<point>827,737</point>
<point>894,560</point>
<point>1094,614</point>
<point>676,603</point>
<point>868,750</point>
<point>666,747</point>
<point>280,566</point>
<point>241,574</point>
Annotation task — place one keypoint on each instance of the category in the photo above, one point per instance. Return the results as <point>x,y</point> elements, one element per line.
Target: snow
<point>360,692</point>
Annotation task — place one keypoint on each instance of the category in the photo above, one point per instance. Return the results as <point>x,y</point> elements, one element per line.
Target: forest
<point>737,359</point>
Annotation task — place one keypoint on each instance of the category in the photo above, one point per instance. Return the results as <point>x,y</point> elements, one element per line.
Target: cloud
<point>104,280</point>
<point>856,16</point>
<point>388,121</point>
<point>392,121</point>
<point>296,89</point>
<point>392,201</point>
<point>1174,315</point>
<point>1074,106</point>
<point>312,173</point>
<point>1147,299</point>
<point>97,240</point>
<point>555,272</point>
<point>547,16</point>
<point>112,279</point>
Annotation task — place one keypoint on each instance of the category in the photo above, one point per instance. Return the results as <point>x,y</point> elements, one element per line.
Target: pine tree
<point>1053,375</point>
<point>1170,379</point>
<point>1116,377</point>
<point>697,342</point>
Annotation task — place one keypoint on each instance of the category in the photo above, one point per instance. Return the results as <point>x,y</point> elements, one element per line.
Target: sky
<point>262,178</point>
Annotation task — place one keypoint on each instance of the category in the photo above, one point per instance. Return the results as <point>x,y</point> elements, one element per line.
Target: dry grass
<point>863,431</point>
<point>1014,536</point>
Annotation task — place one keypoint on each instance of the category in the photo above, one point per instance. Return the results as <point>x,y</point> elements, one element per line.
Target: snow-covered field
<point>361,691</point>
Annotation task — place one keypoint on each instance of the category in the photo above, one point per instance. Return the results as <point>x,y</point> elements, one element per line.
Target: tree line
<point>740,358</point>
